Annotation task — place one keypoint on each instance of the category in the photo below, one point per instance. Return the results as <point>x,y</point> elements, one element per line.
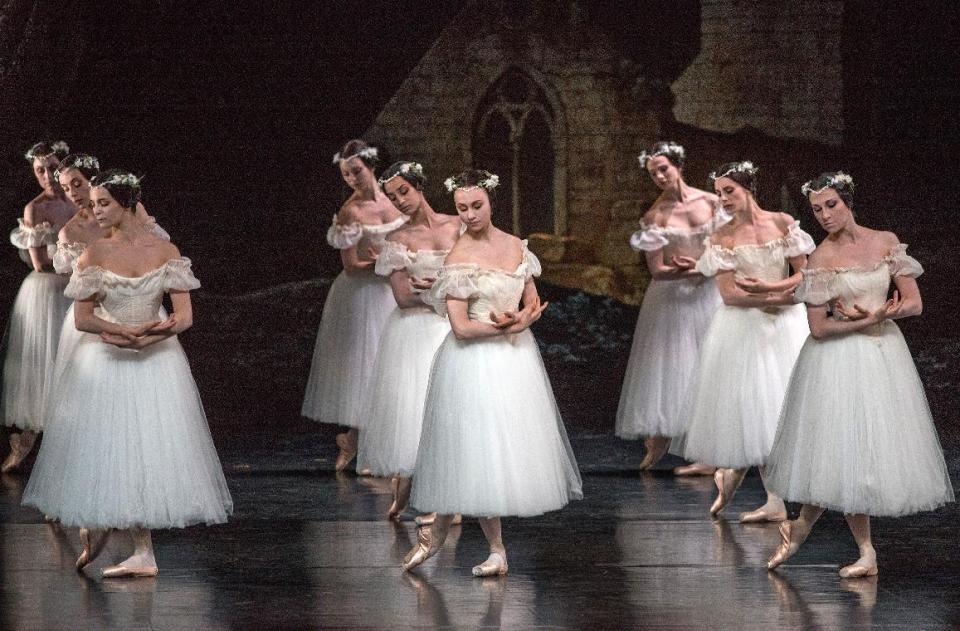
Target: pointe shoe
<point>786,549</point>
<point>762,516</point>
<point>654,454</point>
<point>425,548</point>
<point>495,565</point>
<point>723,495</point>
<point>428,519</point>
<point>857,570</point>
<point>15,457</point>
<point>347,452</point>
<point>122,571</point>
<point>695,469</point>
<point>91,550</point>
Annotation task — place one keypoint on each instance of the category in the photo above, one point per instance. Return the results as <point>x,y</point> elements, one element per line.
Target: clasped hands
<point>135,338</point>
<point>888,311</point>
<point>516,321</point>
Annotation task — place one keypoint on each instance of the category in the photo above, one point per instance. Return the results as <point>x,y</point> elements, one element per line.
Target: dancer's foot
<point>401,496</point>
<point>138,565</point>
<point>790,541</point>
<point>348,450</point>
<point>697,468</point>
<point>495,565</point>
<point>656,447</point>
<point>727,481</point>
<point>428,544</point>
<point>20,446</point>
<point>771,512</point>
<point>866,565</point>
<point>429,518</point>
<point>91,548</point>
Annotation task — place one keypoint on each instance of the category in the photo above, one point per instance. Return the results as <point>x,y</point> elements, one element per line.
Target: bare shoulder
<point>30,210</point>
<point>821,256</point>
<point>700,195</point>
<point>888,239</point>
<point>650,217</point>
<point>165,248</point>
<point>461,252</point>
<point>349,212</point>
<point>784,220</point>
<point>95,253</point>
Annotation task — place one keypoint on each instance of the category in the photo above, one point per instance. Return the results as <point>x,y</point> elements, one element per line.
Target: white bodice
<point>484,289</point>
<point>344,236</point>
<point>864,286</point>
<point>417,263</point>
<point>768,262</point>
<point>677,241</point>
<point>131,300</point>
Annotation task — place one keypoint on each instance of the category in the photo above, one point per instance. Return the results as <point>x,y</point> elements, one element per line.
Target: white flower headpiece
<point>838,178</point>
<point>55,147</point>
<point>367,152</point>
<point>125,179</point>
<point>82,161</point>
<point>489,182</point>
<point>670,149</point>
<point>407,167</point>
<point>738,167</point>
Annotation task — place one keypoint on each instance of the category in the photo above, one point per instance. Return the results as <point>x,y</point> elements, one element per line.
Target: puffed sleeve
<point>84,283</point>
<point>797,242</point>
<point>25,237</point>
<point>393,256</point>
<point>179,275</point>
<point>344,236</point>
<point>816,287</point>
<point>531,264</point>
<point>902,264</point>
<point>715,259</point>
<point>454,281</point>
<point>66,256</point>
<point>648,238</point>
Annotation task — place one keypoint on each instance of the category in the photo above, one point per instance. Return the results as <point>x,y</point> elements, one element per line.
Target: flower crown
<point>123,179</point>
<point>738,167</point>
<point>407,167</point>
<point>367,152</point>
<point>81,161</point>
<point>54,148</point>
<point>670,149</point>
<point>488,182</point>
<point>837,179</point>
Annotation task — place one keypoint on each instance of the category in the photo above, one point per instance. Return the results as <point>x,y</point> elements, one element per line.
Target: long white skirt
<point>354,314</point>
<point>398,390</point>
<point>666,347</point>
<point>856,433</point>
<point>128,443</point>
<point>31,339</point>
<point>739,385</point>
<point>493,442</point>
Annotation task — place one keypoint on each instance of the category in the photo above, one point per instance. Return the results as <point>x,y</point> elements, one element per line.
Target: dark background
<point>232,111</point>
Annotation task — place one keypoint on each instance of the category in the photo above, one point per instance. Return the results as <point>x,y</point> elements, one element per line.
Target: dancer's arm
<point>734,296</point>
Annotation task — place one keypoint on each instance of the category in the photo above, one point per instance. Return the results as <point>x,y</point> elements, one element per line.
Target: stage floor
<point>310,549</point>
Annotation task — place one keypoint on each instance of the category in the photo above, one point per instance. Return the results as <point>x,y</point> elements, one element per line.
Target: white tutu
<point>666,346</point>
<point>128,443</point>
<point>398,389</point>
<point>739,385</point>
<point>354,314</point>
<point>31,339</point>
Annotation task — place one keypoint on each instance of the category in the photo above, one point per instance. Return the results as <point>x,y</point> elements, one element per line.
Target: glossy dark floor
<point>310,549</point>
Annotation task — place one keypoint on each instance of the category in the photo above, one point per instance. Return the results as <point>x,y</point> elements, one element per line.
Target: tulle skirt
<point>398,389</point>
<point>739,385</point>
<point>666,347</point>
<point>128,443</point>
<point>856,433</point>
<point>356,309</point>
<point>493,443</point>
<point>31,339</point>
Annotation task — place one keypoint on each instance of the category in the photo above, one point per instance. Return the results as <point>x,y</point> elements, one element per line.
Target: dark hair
<point>355,148</point>
<point>44,148</point>
<point>83,162</point>
<point>413,175</point>
<point>743,173</point>
<point>473,177</point>
<point>837,180</point>
<point>668,149</point>
<point>127,194</point>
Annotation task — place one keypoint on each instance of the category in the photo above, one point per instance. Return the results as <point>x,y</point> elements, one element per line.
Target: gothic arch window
<point>516,135</point>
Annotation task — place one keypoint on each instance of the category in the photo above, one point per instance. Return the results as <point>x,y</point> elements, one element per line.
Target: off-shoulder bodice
<point>344,236</point>
<point>677,241</point>
<point>484,289</point>
<point>131,300</point>
<point>417,263</point>
<point>24,237</point>
<point>66,256</point>
<point>865,286</point>
<point>768,262</point>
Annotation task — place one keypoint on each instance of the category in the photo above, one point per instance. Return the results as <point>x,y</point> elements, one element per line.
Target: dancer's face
<point>663,173</point>
<point>76,187</point>
<point>356,174</point>
<point>43,169</point>
<point>403,195</point>
<point>733,197</point>
<point>473,206</point>
<point>830,210</point>
<point>107,211</point>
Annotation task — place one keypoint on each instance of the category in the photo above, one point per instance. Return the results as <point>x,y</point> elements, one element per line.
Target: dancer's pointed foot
<point>772,512</point>
<point>428,544</point>
<point>656,447</point>
<point>142,564</point>
<point>20,446</point>
<point>429,518</point>
<point>727,481</point>
<point>347,451</point>
<point>401,496</point>
<point>865,566</point>
<point>495,565</point>
<point>697,468</point>
<point>92,546</point>
<point>789,544</point>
